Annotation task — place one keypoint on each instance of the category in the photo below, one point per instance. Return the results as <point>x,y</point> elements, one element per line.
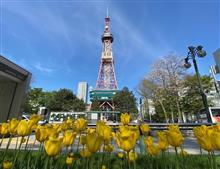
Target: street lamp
<point>141,113</point>
<point>192,53</point>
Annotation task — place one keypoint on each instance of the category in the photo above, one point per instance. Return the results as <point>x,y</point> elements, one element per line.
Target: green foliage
<point>164,99</point>
<point>34,100</point>
<point>61,100</point>
<point>125,101</point>
<point>78,105</point>
<point>192,99</point>
<point>95,105</point>
<point>65,100</point>
<point>37,160</point>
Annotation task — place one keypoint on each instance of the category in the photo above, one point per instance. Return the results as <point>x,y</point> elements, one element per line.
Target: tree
<point>163,85</point>
<point>34,100</point>
<point>149,90</point>
<point>95,105</point>
<point>192,100</point>
<point>78,105</point>
<point>125,101</point>
<point>65,100</point>
<point>62,100</point>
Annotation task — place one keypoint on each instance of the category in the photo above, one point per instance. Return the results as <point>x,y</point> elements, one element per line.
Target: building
<point>147,109</point>
<point>216,55</point>
<point>214,94</point>
<point>82,92</point>
<point>106,84</point>
<point>14,83</point>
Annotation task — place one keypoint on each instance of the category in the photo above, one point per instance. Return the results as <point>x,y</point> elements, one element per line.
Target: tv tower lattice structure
<point>106,77</point>
<point>106,84</point>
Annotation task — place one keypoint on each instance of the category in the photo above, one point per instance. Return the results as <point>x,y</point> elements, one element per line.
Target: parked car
<point>27,118</point>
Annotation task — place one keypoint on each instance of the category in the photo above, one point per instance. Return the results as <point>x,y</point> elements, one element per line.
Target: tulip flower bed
<point>73,145</point>
<point>37,160</point>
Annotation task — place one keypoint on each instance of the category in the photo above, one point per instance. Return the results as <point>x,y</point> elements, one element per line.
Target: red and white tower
<point>106,84</point>
<point>106,77</point>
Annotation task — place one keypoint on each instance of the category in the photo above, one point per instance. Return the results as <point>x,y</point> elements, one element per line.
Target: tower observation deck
<point>106,84</point>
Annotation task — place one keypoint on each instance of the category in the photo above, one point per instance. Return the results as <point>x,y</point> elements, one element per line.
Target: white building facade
<point>82,92</point>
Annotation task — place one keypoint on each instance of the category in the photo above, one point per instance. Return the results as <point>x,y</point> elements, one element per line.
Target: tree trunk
<point>164,110</point>
<point>172,116</point>
<point>180,114</point>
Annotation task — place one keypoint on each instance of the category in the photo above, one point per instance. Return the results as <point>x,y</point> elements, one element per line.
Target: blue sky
<point>59,41</point>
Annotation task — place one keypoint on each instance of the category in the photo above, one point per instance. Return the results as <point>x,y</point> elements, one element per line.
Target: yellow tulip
<point>149,141</point>
<point>69,160</point>
<point>126,140</point>
<point>7,165</point>
<point>206,141</point>
<point>125,118</point>
<point>57,127</point>
<point>99,125</point>
<point>162,140</point>
<point>70,122</point>
<point>136,131</point>
<point>200,131</point>
<point>104,131</point>
<point>109,148</point>
<point>53,146</point>
<point>82,139</point>
<point>113,134</point>
<point>132,156</point>
<point>69,137</point>
<point>183,153</point>
<point>151,147</point>
<point>13,123</point>
<point>51,131</point>
<point>174,136</point>
<point>34,119</point>
<point>80,124</point>
<point>90,130</point>
<point>41,134</point>
<point>120,155</point>
<point>23,128</point>
<point>104,167</point>
<point>215,138</point>
<point>85,153</point>
<point>144,128</point>
<point>217,127</point>
<point>4,128</point>
<point>206,137</point>
<point>34,127</point>
<point>64,126</point>
<point>153,150</point>
<point>93,141</point>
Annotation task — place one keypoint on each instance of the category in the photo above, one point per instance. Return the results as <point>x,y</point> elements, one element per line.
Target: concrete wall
<point>19,98</point>
<point>14,83</point>
<point>7,90</point>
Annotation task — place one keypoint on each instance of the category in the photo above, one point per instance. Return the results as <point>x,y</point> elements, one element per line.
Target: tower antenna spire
<point>107,13</point>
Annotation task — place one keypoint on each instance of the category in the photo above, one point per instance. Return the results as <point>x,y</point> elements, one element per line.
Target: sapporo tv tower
<point>106,85</point>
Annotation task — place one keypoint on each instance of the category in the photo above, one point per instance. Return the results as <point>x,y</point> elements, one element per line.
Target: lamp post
<point>192,53</point>
<point>141,113</point>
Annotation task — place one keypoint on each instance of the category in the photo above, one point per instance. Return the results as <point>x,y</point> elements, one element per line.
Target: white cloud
<point>42,68</point>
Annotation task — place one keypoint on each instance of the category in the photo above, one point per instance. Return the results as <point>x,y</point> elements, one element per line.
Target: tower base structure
<point>105,98</point>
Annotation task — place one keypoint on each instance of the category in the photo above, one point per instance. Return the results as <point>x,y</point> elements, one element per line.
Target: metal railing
<point>160,126</point>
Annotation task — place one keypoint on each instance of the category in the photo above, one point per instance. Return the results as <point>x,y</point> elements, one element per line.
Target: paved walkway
<point>190,145</point>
